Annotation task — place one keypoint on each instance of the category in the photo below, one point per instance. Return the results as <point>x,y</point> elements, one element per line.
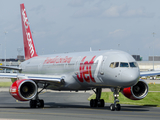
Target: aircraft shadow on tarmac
<point>52,105</point>
<point>67,105</point>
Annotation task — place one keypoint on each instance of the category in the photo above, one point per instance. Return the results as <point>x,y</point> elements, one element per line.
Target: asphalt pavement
<point>71,106</point>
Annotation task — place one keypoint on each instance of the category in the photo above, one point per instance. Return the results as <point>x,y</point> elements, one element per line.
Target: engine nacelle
<point>136,92</point>
<point>23,90</point>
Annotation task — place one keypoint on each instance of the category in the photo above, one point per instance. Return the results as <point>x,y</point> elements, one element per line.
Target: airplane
<point>77,71</point>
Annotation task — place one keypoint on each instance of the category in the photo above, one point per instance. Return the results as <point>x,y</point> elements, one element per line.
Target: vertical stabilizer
<point>29,47</point>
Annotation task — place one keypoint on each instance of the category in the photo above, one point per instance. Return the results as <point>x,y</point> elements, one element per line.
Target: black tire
<point>41,104</point>
<point>99,104</point>
<point>102,102</point>
<point>112,107</point>
<point>91,103</point>
<point>33,103</point>
<point>95,103</point>
<point>118,107</point>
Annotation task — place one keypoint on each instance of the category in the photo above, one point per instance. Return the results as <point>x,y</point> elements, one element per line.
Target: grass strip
<point>5,84</point>
<point>154,87</point>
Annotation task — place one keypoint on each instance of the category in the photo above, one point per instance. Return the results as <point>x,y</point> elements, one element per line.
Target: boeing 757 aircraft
<point>81,71</point>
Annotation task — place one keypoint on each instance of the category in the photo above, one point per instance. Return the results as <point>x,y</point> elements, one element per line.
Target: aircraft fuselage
<point>110,68</point>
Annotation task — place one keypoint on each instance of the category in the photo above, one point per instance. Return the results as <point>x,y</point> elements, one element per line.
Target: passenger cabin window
<point>133,64</point>
<point>123,64</point>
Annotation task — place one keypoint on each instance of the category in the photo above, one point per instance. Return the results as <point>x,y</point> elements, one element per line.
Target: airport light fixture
<point>153,48</point>
<point>5,32</point>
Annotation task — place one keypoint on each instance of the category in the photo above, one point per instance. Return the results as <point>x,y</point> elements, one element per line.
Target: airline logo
<point>85,70</point>
<point>58,60</point>
<point>28,32</point>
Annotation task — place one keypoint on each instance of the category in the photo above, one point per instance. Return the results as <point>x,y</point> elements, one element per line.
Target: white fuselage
<point>86,70</point>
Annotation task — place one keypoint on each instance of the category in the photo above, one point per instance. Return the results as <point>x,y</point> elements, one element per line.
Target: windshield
<point>133,64</point>
<point>123,64</point>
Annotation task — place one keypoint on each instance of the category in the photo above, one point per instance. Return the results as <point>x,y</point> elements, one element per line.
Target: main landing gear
<point>97,102</point>
<point>36,102</point>
<point>116,105</point>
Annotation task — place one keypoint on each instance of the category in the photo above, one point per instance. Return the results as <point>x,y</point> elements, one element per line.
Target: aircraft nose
<point>130,77</point>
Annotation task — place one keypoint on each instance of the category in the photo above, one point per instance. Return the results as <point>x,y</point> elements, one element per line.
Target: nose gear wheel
<point>116,105</point>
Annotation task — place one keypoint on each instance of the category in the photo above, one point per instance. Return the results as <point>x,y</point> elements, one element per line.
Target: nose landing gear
<point>116,105</point>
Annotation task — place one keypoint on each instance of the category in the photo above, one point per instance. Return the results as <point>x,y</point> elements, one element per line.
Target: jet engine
<point>136,92</point>
<point>23,90</point>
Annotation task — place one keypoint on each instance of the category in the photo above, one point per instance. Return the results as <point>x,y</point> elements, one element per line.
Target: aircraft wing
<point>8,75</point>
<point>150,73</point>
<point>34,77</point>
<point>11,67</point>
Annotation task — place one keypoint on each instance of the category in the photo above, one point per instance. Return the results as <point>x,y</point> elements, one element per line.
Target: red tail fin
<point>29,47</point>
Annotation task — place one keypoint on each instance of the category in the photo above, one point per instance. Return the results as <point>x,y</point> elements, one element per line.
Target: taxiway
<point>71,106</point>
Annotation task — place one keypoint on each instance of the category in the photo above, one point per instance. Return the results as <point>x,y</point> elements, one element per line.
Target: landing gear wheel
<point>91,103</point>
<point>102,102</point>
<point>33,103</point>
<point>95,102</point>
<point>41,104</point>
<point>99,103</point>
<point>36,103</point>
<point>112,107</point>
<point>118,107</point>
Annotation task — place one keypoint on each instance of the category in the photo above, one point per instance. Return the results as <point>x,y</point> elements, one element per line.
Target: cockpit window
<point>112,65</point>
<point>123,64</point>
<point>133,64</point>
<point>116,64</point>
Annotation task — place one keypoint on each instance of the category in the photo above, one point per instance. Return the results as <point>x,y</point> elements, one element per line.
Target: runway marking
<point>43,92</point>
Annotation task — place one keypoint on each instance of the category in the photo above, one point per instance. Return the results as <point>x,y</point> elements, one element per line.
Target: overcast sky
<point>76,25</point>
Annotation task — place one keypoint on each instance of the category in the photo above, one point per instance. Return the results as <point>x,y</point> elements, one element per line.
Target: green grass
<point>152,99</point>
<point>5,84</point>
<point>153,87</point>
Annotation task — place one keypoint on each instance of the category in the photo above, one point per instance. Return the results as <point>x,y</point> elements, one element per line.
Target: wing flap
<point>46,78</point>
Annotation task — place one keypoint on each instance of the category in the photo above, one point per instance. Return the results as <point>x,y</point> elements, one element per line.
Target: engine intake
<point>23,90</point>
<point>136,92</point>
